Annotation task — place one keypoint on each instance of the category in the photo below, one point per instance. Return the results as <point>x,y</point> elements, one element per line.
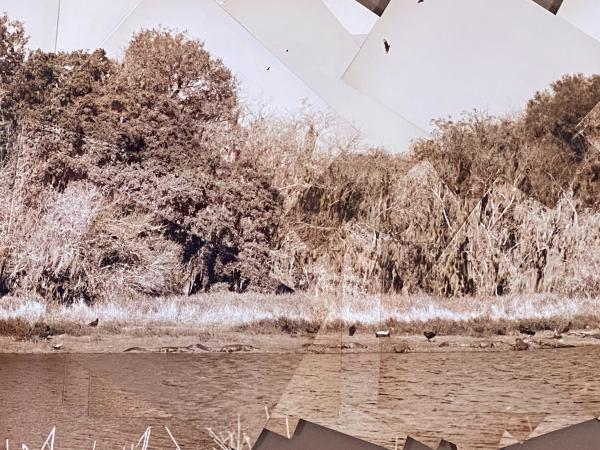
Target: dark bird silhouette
<point>430,335</point>
<point>420,1</point>
<point>386,46</point>
<point>556,335</point>
<point>269,68</point>
<point>526,330</point>
<point>520,345</point>
<point>567,328</point>
<point>93,323</point>
<point>47,332</point>
<point>245,285</point>
<point>352,330</point>
<point>283,289</point>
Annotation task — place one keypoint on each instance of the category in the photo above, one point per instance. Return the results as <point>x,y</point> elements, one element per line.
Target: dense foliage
<point>139,178</point>
<point>154,138</point>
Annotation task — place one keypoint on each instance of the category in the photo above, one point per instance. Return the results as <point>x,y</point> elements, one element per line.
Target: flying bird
<point>430,335</point>
<point>386,46</point>
<point>526,330</point>
<point>269,68</point>
<point>93,323</point>
<point>420,1</point>
<point>352,330</point>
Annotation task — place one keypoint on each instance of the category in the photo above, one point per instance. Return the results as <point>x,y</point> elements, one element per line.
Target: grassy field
<point>257,313</point>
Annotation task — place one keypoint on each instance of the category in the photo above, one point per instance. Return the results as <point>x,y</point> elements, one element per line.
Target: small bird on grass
<point>381,334</point>
<point>430,335</point>
<point>93,323</point>
<point>526,330</point>
<point>556,334</point>
<point>47,333</point>
<point>567,328</point>
<point>352,330</point>
<point>57,346</point>
<point>520,345</point>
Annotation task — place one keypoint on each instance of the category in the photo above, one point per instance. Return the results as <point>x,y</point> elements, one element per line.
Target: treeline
<point>139,177</point>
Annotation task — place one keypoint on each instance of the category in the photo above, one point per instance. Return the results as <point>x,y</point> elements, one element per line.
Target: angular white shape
<point>360,38</point>
<point>584,14</point>
<point>353,16</point>
<point>39,18</point>
<point>275,90</point>
<point>312,43</point>
<point>83,25</point>
<point>447,57</point>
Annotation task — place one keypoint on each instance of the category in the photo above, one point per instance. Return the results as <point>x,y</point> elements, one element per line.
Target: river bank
<point>298,323</point>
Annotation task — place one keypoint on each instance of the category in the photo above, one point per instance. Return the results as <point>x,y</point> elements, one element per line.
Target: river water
<point>472,399</point>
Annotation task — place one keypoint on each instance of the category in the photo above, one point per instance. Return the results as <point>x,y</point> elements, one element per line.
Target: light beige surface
<point>273,90</point>
<point>39,18</point>
<point>306,36</point>
<point>492,55</point>
<point>84,24</point>
<point>584,14</point>
<point>353,16</point>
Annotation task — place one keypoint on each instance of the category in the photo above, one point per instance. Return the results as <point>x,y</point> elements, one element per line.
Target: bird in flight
<point>420,1</point>
<point>268,68</point>
<point>386,46</point>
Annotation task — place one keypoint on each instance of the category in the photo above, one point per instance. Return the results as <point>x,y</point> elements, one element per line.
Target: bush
<point>154,133</point>
<point>142,178</point>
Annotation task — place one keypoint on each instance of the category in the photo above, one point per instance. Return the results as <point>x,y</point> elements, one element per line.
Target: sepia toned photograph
<point>300,224</point>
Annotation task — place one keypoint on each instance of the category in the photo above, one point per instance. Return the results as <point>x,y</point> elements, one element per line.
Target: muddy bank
<point>170,341</point>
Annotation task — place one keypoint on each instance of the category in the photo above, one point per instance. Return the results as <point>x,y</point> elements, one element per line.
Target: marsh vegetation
<point>144,179</point>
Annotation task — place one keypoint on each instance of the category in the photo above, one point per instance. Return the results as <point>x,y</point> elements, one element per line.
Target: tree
<point>13,41</point>
<point>557,111</point>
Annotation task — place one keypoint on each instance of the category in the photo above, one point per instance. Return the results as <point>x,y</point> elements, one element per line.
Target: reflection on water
<point>113,398</point>
<point>468,398</point>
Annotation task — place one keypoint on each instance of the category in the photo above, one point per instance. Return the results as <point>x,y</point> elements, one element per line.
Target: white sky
<point>308,38</point>
<point>584,14</point>
<point>493,55</point>
<point>355,18</point>
<point>447,57</point>
<point>83,25</point>
<point>39,17</point>
<point>276,90</point>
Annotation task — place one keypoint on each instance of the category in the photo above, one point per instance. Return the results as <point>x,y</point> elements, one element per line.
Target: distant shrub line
<point>140,178</point>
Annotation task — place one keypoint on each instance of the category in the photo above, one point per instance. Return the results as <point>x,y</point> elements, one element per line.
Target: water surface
<point>468,398</point>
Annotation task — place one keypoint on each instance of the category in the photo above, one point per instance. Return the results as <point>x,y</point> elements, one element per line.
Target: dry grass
<point>135,188</point>
<point>142,444</point>
<point>257,313</point>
